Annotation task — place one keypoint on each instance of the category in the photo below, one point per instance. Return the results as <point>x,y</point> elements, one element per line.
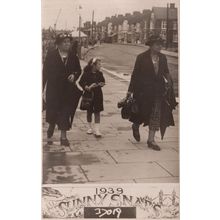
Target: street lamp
<point>79,39</point>
<point>167,40</point>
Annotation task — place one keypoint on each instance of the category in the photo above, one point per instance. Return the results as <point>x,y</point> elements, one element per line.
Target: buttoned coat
<point>146,86</point>
<point>62,96</point>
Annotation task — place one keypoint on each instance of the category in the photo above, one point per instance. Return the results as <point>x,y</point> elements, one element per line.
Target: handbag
<point>86,100</point>
<point>129,107</point>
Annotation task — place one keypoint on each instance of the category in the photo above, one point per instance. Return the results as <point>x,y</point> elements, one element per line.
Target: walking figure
<point>92,82</point>
<point>152,89</point>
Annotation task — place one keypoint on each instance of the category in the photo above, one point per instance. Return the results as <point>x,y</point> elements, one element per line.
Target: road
<point>121,59</point>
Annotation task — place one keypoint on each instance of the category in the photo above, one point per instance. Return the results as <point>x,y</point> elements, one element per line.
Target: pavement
<point>116,157</point>
<point>166,52</point>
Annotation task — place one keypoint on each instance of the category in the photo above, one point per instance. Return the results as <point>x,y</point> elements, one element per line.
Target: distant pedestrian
<point>60,71</point>
<point>152,88</point>
<point>92,82</point>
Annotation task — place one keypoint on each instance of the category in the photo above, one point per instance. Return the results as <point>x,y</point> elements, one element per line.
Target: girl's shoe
<point>97,131</point>
<point>89,131</point>
<point>64,142</point>
<point>153,145</point>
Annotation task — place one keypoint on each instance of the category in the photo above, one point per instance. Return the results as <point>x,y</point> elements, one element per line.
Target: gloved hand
<point>128,95</point>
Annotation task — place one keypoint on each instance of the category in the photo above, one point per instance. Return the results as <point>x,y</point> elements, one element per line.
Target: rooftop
<point>161,12</point>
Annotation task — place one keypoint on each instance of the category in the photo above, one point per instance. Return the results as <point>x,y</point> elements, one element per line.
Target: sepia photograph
<point>110,109</point>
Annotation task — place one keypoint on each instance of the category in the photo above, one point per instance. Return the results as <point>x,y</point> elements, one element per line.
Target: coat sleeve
<point>46,67</point>
<point>134,75</point>
<point>83,81</point>
<point>78,68</point>
<point>166,71</point>
<point>102,79</point>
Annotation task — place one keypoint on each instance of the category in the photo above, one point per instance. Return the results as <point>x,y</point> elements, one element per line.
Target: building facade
<point>164,22</point>
<point>136,28</point>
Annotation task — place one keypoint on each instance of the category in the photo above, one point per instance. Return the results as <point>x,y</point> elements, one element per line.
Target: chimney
<point>172,5</point>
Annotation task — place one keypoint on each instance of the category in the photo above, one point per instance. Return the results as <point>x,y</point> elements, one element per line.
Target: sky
<point>69,10</point>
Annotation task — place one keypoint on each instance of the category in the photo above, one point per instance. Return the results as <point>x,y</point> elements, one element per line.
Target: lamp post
<point>92,27</point>
<point>79,38</point>
<point>167,35</point>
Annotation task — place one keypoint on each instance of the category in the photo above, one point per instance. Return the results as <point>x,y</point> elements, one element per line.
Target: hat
<point>95,59</point>
<point>60,37</point>
<point>154,39</point>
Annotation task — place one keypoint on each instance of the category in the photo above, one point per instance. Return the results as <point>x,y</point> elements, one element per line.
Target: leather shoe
<point>153,146</point>
<point>49,141</point>
<point>136,133</point>
<point>64,142</point>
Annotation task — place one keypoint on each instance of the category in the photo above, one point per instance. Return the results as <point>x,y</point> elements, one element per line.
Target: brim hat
<point>60,37</point>
<point>154,39</point>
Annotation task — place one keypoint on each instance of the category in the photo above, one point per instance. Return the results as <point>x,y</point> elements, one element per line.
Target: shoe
<point>153,145</point>
<point>89,131</point>
<point>49,141</point>
<point>50,131</point>
<point>97,132</point>
<point>64,142</point>
<point>49,136</point>
<point>136,133</point>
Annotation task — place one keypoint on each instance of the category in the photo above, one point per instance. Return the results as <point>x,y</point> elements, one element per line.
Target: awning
<point>76,34</point>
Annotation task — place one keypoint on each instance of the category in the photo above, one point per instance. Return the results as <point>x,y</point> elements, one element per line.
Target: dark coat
<point>146,86</point>
<point>89,78</point>
<point>62,97</point>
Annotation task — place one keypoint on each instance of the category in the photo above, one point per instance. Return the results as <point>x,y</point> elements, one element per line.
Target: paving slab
<point>77,158</point>
<point>163,144</point>
<point>158,180</point>
<point>55,147</point>
<point>71,135</point>
<point>64,174</point>
<point>102,144</point>
<point>123,171</point>
<point>171,132</point>
<point>171,166</point>
<point>76,133</point>
<point>122,125</point>
<point>166,139</point>
<point>135,156</point>
<point>113,118</point>
<point>94,144</point>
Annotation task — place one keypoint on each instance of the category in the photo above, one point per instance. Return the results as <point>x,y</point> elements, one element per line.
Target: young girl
<point>92,81</point>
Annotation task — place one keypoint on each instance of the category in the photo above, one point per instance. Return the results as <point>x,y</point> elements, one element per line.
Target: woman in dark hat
<point>60,71</point>
<point>149,83</point>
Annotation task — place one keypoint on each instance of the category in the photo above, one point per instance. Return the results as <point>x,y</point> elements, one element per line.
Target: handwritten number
<point>102,212</point>
<point>99,211</point>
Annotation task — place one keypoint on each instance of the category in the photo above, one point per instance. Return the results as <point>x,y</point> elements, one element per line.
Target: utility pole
<point>145,31</point>
<point>92,25</point>
<point>65,25</point>
<point>79,41</point>
<point>55,23</point>
<point>167,40</point>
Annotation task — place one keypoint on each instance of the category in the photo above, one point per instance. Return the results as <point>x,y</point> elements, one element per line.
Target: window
<point>163,24</point>
<point>163,34</point>
<point>175,37</point>
<point>174,25</point>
